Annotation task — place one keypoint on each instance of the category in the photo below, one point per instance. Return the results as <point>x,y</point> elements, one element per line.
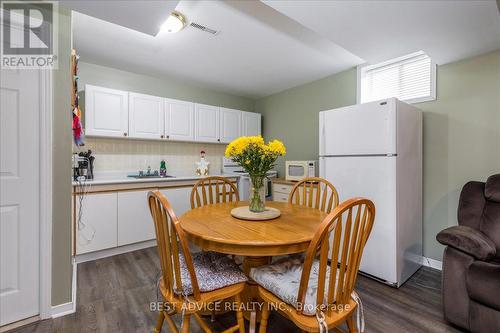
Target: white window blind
<point>410,78</point>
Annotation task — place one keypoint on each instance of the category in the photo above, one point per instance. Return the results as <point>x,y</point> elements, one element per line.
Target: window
<point>411,78</point>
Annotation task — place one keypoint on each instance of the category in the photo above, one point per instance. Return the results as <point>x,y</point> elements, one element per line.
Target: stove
<point>230,167</point>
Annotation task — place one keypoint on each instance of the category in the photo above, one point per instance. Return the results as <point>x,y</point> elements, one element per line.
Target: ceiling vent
<point>204,28</point>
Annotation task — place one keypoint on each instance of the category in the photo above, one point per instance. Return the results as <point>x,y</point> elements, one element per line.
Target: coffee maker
<point>83,165</point>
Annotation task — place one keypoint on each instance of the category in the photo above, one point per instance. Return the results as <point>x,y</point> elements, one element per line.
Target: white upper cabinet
<point>179,120</point>
<point>230,124</point>
<point>206,123</point>
<point>251,123</point>
<point>106,111</point>
<point>117,113</point>
<point>145,116</point>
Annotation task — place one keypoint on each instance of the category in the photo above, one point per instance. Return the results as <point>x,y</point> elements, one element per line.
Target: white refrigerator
<point>374,150</point>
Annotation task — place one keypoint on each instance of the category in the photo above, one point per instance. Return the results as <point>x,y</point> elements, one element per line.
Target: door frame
<point>45,148</point>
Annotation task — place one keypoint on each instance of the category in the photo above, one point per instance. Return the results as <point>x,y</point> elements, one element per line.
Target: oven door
<point>244,188</point>
<point>296,171</point>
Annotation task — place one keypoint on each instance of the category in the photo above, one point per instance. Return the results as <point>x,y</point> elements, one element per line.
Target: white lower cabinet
<point>109,220</point>
<point>178,198</point>
<point>97,228</point>
<point>134,218</point>
<point>281,192</point>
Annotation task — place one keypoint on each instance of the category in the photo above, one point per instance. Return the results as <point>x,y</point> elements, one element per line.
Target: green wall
<point>461,130</point>
<point>61,165</point>
<point>461,139</point>
<point>293,115</point>
<point>122,80</point>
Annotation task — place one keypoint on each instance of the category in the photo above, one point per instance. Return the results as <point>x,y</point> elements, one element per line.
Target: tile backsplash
<point>134,155</point>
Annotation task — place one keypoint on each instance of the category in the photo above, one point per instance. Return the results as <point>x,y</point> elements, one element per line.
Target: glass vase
<point>257,196</point>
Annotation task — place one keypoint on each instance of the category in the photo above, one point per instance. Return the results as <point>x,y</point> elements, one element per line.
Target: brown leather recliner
<point>471,261</point>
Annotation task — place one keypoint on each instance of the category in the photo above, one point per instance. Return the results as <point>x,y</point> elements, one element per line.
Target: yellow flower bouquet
<point>257,158</point>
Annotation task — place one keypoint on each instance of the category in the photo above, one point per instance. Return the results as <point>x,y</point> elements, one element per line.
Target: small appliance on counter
<point>298,170</point>
<point>83,165</point>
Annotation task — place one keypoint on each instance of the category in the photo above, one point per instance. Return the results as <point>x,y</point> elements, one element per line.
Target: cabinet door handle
<point>168,136</point>
<point>125,134</point>
<point>161,136</point>
<point>218,140</point>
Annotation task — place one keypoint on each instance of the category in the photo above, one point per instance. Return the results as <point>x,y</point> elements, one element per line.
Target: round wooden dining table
<point>212,228</point>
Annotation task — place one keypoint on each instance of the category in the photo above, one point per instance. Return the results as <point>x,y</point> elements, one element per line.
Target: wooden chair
<point>179,272</point>
<point>214,189</point>
<point>314,192</point>
<point>340,240</point>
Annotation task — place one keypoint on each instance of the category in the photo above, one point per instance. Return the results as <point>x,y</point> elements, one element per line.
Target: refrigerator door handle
<point>321,133</point>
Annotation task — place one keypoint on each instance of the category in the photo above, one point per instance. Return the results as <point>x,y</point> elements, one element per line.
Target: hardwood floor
<point>114,295</point>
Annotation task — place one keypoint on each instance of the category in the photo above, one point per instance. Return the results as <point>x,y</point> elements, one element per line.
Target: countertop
<point>105,178</point>
<point>283,181</point>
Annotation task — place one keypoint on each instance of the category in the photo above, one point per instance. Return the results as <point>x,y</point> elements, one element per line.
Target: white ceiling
<point>145,16</point>
<point>263,48</point>
<point>381,30</point>
<point>258,51</point>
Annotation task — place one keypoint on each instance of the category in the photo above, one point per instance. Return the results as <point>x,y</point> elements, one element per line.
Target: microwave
<point>297,170</point>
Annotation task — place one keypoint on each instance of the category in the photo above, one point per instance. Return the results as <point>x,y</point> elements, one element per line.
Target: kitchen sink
<point>149,176</point>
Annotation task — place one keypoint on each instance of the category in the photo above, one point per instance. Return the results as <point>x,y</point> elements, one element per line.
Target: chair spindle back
<point>171,243</point>
<point>315,192</point>
<point>213,189</point>
<point>339,243</point>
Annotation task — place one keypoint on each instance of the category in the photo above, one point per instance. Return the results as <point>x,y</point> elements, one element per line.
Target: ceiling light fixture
<point>175,23</point>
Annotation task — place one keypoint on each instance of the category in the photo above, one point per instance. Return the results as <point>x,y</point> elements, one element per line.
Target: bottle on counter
<point>163,168</point>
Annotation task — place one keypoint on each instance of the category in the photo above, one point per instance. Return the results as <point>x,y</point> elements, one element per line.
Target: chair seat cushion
<point>213,271</point>
<point>483,283</point>
<point>282,278</point>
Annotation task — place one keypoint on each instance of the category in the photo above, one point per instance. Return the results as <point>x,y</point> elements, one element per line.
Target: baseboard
<point>63,309</point>
<point>432,263</point>
<point>114,251</point>
<point>70,307</point>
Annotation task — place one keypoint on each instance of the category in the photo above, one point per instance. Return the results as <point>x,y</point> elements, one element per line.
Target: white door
<point>206,123</point>
<point>97,228</point>
<point>106,111</point>
<point>230,124</point>
<point>179,120</point>
<point>251,123</point>
<point>134,218</point>
<point>19,194</point>
<point>364,129</point>
<point>145,116</point>
<point>372,177</point>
